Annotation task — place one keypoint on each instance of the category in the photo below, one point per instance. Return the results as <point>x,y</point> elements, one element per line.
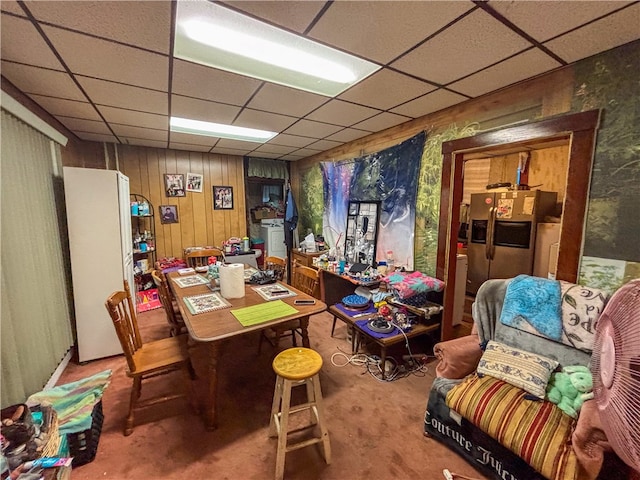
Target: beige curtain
<point>265,168</point>
<point>34,313</point>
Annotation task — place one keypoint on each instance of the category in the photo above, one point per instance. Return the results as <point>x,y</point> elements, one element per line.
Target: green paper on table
<point>263,312</point>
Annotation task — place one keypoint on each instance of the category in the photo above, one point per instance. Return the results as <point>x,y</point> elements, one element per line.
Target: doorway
<point>577,130</point>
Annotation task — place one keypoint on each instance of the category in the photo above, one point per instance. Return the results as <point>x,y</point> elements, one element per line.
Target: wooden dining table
<point>211,329</point>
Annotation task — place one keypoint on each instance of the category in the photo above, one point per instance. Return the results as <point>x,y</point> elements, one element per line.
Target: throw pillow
<point>519,368</point>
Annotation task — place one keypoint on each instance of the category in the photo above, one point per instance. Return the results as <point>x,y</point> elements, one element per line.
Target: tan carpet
<point>375,427</point>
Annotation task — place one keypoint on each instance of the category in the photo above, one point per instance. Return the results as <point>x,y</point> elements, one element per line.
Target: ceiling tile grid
<point>104,68</point>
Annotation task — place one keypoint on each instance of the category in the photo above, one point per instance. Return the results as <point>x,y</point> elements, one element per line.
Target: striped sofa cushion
<point>537,431</point>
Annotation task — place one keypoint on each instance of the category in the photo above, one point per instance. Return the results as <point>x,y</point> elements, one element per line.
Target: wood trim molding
<point>581,130</point>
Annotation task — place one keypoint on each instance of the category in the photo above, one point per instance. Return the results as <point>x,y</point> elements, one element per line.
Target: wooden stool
<point>294,367</point>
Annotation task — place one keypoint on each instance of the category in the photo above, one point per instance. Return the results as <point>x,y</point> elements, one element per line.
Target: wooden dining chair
<point>200,258</point>
<point>277,264</point>
<point>147,360</point>
<point>306,280</point>
<point>174,317</point>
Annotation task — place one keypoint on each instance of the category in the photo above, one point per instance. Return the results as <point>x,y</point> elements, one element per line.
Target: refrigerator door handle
<point>489,247</point>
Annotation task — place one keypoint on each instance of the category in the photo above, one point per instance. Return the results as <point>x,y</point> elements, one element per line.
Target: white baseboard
<point>58,371</point>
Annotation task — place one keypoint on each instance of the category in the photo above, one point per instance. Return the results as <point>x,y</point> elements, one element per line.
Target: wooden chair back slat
<point>200,258</point>
<point>123,315</point>
<point>277,264</point>
<point>164,292</point>
<point>304,278</point>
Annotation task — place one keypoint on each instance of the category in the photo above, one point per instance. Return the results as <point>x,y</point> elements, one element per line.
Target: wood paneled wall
<point>198,223</point>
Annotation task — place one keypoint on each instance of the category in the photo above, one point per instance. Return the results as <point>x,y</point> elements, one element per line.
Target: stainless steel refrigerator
<point>502,234</point>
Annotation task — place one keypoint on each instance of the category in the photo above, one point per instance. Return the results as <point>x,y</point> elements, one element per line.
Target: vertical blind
<point>34,313</point>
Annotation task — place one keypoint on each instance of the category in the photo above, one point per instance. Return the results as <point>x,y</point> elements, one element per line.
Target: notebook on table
<point>206,302</point>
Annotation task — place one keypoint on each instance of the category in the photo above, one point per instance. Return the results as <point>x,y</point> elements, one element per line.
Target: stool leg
<point>333,327</point>
<point>311,398</point>
<point>275,407</point>
<point>284,426</point>
<point>326,443</point>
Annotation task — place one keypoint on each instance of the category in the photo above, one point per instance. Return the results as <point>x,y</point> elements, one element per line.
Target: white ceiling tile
<point>293,15</point>
<point>133,118</point>
<point>189,147</point>
<point>114,94</point>
<point>476,41</point>
<point>348,134</point>
<point>67,108</point>
<point>103,59</point>
<point>97,137</point>
<point>382,30</point>
<point>139,132</point>
<point>381,122</point>
<point>22,43</point>
<point>198,81</point>
<point>431,102</point>
<point>275,149</point>
<point>42,81</point>
<point>193,139</point>
<point>515,69</point>
<point>285,100</point>
<point>374,91</point>
<point>324,145</point>
<point>143,142</point>
<point>230,151</point>
<point>11,6</point>
<point>616,29</point>
<point>123,21</point>
<point>291,140</point>
<point>308,128</point>
<point>205,110</point>
<point>262,120</point>
<point>237,144</point>
<point>342,113</point>
<point>559,17</point>
<point>307,152</point>
<point>83,125</point>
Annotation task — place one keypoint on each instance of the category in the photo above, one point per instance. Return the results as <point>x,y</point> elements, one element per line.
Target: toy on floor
<point>570,388</point>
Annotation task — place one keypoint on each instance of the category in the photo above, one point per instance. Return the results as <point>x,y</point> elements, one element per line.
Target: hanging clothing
<point>290,219</point>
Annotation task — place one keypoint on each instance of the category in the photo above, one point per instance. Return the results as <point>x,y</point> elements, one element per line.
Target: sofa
<point>509,430</point>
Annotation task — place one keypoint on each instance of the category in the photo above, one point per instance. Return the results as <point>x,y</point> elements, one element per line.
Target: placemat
<point>263,312</point>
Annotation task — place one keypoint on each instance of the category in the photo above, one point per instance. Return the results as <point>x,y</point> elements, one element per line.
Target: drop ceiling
<point>106,71</point>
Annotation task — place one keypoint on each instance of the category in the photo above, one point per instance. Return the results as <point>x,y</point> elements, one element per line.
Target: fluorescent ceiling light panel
<point>215,36</point>
<point>210,129</point>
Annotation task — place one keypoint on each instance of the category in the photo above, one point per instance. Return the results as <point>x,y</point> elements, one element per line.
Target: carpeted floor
<point>375,427</point>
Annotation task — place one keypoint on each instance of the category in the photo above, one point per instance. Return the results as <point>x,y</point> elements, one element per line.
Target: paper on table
<point>263,312</point>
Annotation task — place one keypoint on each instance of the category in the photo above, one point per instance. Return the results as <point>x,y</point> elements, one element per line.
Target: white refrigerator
<point>272,231</point>
<point>101,248</point>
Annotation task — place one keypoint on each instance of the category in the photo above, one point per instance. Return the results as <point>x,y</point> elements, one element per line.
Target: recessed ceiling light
<point>210,129</point>
<point>216,36</point>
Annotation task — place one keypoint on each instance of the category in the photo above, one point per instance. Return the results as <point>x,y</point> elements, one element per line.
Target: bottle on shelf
<point>390,263</point>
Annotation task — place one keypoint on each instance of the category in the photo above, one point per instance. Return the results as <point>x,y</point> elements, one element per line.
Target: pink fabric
<point>589,440</point>
<point>410,284</point>
<point>458,357</point>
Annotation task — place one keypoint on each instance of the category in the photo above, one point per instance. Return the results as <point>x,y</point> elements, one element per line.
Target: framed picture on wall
<point>222,198</point>
<point>174,184</point>
<point>168,214</point>
<point>194,182</point>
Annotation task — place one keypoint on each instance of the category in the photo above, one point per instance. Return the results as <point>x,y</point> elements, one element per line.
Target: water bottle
<point>342,265</point>
<point>245,244</point>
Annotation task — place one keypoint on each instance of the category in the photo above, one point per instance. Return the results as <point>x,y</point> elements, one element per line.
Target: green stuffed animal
<point>570,388</point>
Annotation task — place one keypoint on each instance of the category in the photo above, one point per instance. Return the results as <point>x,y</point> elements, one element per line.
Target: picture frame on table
<point>194,182</point>
<point>174,185</point>
<point>168,214</point>
<point>222,197</point>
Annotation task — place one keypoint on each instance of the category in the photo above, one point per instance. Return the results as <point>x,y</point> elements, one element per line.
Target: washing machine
<point>272,231</point>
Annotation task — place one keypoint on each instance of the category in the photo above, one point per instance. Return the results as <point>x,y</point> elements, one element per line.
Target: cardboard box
<point>262,213</point>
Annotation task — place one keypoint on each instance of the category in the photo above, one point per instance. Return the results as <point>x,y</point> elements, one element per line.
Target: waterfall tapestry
<point>389,176</point>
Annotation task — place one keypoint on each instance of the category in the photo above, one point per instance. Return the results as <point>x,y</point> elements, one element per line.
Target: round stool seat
<point>297,363</point>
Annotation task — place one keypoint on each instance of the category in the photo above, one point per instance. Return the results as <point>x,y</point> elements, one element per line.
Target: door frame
<point>580,130</point>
